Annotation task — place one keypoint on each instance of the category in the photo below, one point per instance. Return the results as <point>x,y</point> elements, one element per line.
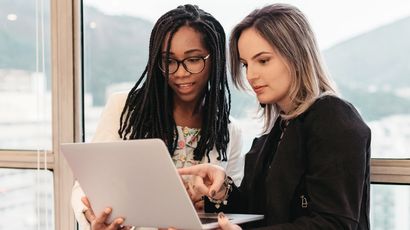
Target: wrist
<point>223,194</point>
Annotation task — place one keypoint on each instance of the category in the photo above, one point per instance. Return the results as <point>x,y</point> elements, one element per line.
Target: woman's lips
<point>185,87</point>
<point>258,89</point>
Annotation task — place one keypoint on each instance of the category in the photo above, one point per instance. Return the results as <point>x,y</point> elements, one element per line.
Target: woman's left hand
<point>225,224</point>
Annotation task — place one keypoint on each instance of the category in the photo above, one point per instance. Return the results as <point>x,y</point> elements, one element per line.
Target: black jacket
<point>323,159</point>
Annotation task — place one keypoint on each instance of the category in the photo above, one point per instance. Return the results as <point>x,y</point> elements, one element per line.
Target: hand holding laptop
<point>100,222</point>
<point>145,194</point>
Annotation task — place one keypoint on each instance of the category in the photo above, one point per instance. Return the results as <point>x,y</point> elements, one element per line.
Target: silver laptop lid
<point>137,178</point>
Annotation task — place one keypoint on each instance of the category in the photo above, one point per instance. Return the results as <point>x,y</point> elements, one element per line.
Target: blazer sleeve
<point>109,122</point>
<point>78,207</point>
<point>337,170</point>
<point>238,200</point>
<point>107,130</point>
<point>235,165</point>
<point>338,159</point>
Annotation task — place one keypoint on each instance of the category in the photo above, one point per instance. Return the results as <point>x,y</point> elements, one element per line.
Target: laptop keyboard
<point>207,220</point>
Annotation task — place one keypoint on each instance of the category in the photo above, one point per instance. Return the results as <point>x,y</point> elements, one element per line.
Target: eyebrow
<point>260,53</point>
<point>186,52</point>
<point>256,55</point>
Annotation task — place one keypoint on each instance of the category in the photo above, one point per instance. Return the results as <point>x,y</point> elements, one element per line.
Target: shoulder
<point>333,113</point>
<point>331,107</point>
<point>119,97</point>
<point>234,126</point>
<point>331,103</point>
<point>116,101</point>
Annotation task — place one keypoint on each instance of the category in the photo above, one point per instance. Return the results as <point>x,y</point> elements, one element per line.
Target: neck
<point>185,114</point>
<point>285,105</point>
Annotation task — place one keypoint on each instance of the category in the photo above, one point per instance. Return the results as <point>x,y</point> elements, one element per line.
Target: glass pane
<point>115,54</point>
<point>26,199</point>
<point>390,207</point>
<point>367,57</point>
<point>25,74</point>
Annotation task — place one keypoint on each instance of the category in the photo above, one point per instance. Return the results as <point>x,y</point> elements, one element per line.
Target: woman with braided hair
<point>182,97</point>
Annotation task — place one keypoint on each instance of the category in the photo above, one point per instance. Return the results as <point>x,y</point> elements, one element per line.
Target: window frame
<point>65,19</point>
<point>390,171</point>
<point>66,75</point>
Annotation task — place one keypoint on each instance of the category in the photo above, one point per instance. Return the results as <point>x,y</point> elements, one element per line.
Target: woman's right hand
<point>99,222</point>
<point>209,179</point>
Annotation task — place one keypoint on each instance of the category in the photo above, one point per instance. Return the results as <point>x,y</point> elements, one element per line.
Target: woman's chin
<point>265,101</point>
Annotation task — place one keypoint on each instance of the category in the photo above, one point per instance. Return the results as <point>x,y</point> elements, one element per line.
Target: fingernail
<point>221,215</point>
<point>107,210</point>
<point>213,193</point>
<point>120,221</point>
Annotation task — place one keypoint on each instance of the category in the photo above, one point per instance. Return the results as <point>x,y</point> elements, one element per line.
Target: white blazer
<point>107,130</point>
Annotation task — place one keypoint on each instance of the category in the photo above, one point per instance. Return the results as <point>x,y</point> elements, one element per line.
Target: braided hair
<point>148,110</point>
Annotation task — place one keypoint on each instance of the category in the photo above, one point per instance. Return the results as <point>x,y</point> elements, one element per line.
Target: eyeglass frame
<point>204,58</point>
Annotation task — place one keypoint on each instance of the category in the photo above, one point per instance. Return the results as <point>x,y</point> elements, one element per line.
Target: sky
<point>332,20</point>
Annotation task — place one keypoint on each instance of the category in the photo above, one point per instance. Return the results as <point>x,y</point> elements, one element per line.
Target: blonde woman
<point>311,168</point>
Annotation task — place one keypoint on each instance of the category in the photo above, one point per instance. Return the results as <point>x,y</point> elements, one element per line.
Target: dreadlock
<point>148,110</point>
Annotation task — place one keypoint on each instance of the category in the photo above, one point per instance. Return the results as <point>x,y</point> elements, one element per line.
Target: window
<point>37,96</point>
<point>366,56</point>
<point>25,118</point>
<point>28,191</point>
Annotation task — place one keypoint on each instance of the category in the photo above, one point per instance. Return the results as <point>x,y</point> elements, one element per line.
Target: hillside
<point>18,38</point>
<point>116,50</point>
<point>368,69</point>
<point>379,57</point>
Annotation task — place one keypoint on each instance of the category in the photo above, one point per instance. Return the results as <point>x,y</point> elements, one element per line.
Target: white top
<point>107,130</point>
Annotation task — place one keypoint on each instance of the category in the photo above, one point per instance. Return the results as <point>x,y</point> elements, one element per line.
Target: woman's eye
<point>193,60</point>
<point>244,65</point>
<point>263,61</point>
<point>168,61</point>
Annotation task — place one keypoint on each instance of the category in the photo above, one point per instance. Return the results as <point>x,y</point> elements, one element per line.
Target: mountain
<point>18,38</point>
<point>370,68</point>
<point>379,57</point>
<point>115,48</point>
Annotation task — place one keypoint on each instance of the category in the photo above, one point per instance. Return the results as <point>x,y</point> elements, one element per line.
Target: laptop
<point>138,179</point>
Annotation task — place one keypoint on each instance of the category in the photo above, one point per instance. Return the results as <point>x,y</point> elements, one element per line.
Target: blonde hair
<point>288,31</point>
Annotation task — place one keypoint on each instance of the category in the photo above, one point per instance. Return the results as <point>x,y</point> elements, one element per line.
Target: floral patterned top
<point>187,141</point>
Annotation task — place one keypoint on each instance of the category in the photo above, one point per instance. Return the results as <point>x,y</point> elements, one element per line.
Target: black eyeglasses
<point>191,64</point>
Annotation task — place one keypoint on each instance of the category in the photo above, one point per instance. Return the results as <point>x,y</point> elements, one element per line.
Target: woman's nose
<point>181,71</point>
<point>250,74</point>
